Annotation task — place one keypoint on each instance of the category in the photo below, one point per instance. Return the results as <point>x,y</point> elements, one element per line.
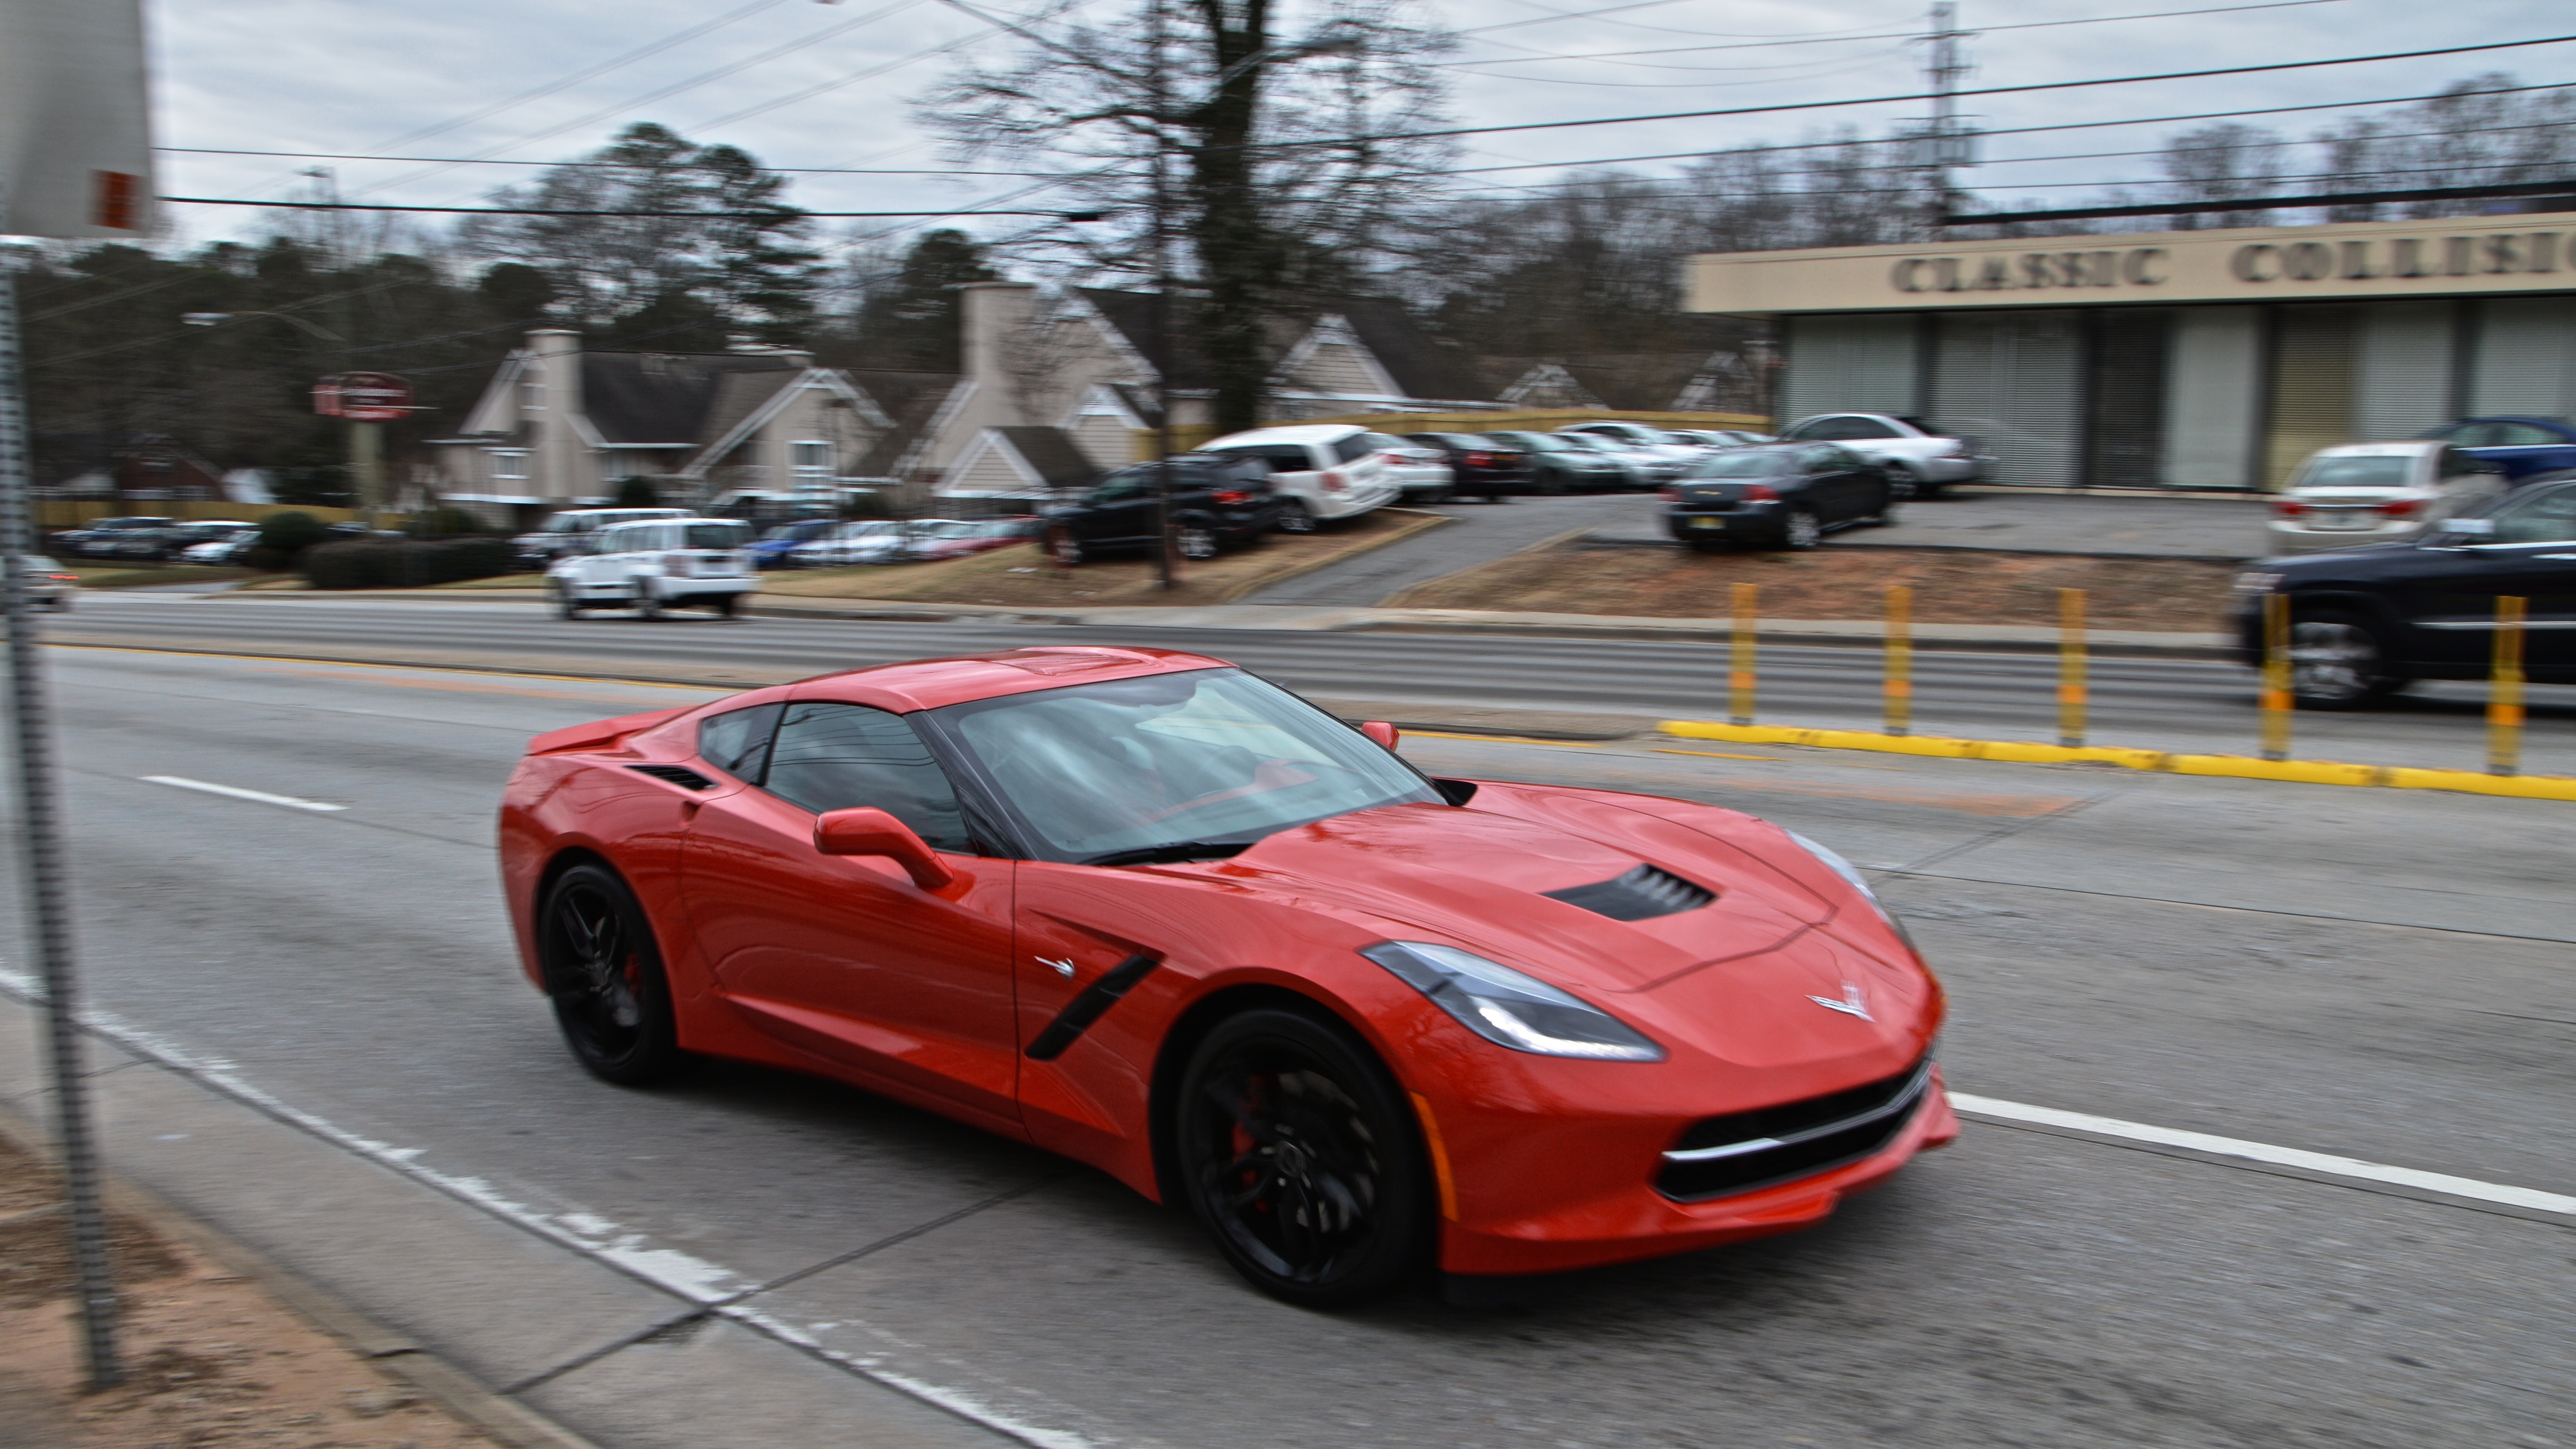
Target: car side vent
<point>680,775</point>
<point>1641,894</point>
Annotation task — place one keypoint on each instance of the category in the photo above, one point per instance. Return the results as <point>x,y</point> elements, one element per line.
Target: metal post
<point>47,890</point>
<point>1166,552</point>
<point>2504,691</point>
<point>367,469</point>
<point>1900,659</point>
<point>2071,693</point>
<point>1739,679</point>
<point>2277,698</point>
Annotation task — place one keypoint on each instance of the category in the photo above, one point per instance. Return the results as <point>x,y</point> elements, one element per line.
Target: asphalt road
<point>2374,973</point>
<point>2168,704</point>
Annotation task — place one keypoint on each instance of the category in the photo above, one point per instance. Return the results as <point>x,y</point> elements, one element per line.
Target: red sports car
<point>1157,914</point>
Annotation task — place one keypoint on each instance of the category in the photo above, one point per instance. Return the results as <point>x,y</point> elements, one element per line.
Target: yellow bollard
<point>1739,680</point>
<point>2277,699</point>
<point>2504,692</point>
<point>2070,668</point>
<point>1900,659</point>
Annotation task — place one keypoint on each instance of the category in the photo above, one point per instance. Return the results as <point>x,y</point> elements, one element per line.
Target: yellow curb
<point>2234,767</point>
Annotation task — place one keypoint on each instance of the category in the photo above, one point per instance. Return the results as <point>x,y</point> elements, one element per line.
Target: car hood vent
<point>1641,894</point>
<point>680,775</point>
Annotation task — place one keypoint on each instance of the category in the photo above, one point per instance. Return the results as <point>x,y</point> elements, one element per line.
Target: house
<point>560,426</point>
<point>150,469</point>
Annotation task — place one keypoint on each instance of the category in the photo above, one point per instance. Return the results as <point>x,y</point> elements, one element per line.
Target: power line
<point>611,165</point>
<point>782,212</point>
<point>2028,130</point>
<point>2266,203</point>
<point>1912,96</point>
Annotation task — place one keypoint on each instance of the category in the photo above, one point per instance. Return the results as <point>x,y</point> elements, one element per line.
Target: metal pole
<point>2071,693</point>
<point>2277,698</point>
<point>47,890</point>
<point>367,469</point>
<point>1900,659</point>
<point>1739,679</point>
<point>1168,572</point>
<point>2504,692</point>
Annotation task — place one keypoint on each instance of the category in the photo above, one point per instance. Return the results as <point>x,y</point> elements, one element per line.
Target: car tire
<point>603,972</point>
<point>648,602</point>
<point>1342,1217</point>
<point>1801,530</point>
<point>1294,518</point>
<point>565,608</point>
<point>1902,482</point>
<point>2338,661</point>
<point>1197,541</point>
<point>1552,484</point>
<point>1064,548</point>
<point>725,606</point>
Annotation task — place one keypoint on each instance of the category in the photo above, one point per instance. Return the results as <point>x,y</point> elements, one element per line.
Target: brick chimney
<point>991,317</point>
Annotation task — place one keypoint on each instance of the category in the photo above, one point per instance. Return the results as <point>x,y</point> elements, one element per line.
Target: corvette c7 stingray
<point>1161,916</point>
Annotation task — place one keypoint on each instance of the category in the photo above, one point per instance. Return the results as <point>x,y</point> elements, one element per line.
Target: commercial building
<point>2192,359</point>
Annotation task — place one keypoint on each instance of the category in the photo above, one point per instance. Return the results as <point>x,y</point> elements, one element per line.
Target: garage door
<point>2402,369</point>
<point>1862,363</point>
<point>2526,359</point>
<point>2012,381</point>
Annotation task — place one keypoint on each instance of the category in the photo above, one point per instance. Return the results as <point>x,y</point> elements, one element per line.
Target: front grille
<point>1642,894</point>
<point>1746,1150</point>
<point>680,775</point>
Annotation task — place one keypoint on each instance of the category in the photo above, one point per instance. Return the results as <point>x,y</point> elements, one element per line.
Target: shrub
<point>445,522</point>
<point>407,563</point>
<point>638,493</point>
<point>283,537</point>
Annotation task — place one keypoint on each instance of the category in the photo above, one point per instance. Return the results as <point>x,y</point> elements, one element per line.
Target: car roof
<point>920,684</point>
<point>1292,433</point>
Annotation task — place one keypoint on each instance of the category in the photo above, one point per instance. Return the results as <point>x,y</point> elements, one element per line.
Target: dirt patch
<point>144,576</point>
<point>1950,586</point>
<point>1021,576</point>
<point>210,1358</point>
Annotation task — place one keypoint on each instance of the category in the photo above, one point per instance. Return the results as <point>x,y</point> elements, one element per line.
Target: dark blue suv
<point>2520,446</point>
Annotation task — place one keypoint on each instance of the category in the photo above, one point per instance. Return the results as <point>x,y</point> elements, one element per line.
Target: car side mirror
<point>867,830</point>
<point>2469,527</point>
<point>1382,732</point>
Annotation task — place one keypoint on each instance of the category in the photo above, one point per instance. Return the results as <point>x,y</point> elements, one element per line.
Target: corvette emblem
<point>1851,1004</point>
<point>1065,968</point>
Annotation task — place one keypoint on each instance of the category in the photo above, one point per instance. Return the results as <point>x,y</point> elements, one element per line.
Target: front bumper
<point>1632,1220</point>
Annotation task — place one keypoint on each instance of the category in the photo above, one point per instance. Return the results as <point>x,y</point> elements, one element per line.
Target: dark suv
<point>2366,622</point>
<point>1216,503</point>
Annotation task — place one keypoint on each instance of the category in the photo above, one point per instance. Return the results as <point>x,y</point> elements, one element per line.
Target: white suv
<point>569,531</point>
<point>1320,471</point>
<point>1917,460</point>
<point>657,564</point>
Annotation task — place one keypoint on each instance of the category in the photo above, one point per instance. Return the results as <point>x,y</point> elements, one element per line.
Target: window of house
<point>812,461</point>
<point>509,463</point>
<point>532,393</point>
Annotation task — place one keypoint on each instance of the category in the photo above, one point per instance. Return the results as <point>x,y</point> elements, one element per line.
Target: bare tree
<point>2483,131</point>
<point>2225,162</point>
<point>1288,175</point>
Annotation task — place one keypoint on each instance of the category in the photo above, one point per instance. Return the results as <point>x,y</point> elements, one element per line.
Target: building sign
<point>2522,253</point>
<point>363,397</point>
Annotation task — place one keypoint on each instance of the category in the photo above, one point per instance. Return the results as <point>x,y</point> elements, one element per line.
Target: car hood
<point>1482,878</point>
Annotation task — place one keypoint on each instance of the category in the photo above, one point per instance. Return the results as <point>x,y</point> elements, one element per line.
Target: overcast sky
<point>363,77</point>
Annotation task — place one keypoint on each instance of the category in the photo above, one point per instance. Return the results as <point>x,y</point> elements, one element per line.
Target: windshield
<point>1212,755</point>
<point>2357,472</point>
<point>719,535</point>
<point>1742,465</point>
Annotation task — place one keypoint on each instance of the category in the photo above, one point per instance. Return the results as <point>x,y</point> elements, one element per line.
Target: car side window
<point>1819,460</point>
<point>1353,448</point>
<point>737,741</point>
<point>2520,435</point>
<point>830,756</point>
<point>2547,517</point>
<point>2456,463</point>
<point>1119,488</point>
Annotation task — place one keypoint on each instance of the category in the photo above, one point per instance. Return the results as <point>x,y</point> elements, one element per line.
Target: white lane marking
<point>238,793</point>
<point>692,1279</point>
<point>2319,1162</point>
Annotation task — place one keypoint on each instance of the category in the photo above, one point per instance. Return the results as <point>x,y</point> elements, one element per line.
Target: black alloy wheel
<point>565,608</point>
<point>1197,540</point>
<point>1902,483</point>
<point>1293,517</point>
<point>2337,662</point>
<point>604,975</point>
<point>1300,1158</point>
<point>1800,530</point>
<point>648,600</point>
<point>1064,548</point>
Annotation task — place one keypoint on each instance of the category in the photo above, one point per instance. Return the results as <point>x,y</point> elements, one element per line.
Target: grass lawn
<point>100,575</point>
<point>1020,576</point>
<point>1950,586</point>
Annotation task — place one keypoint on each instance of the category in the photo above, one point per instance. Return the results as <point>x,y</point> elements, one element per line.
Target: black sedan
<point>1779,495</point>
<point>1560,464</point>
<point>2366,622</point>
<point>1216,503</point>
<point>1479,467</point>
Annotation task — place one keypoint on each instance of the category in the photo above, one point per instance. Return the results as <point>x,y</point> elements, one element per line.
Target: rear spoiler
<point>601,734</point>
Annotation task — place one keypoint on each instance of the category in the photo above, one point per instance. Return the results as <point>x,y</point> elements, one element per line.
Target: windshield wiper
<point>1176,851</point>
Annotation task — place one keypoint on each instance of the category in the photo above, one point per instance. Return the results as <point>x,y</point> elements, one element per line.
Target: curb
<point>2233,767</point>
<point>504,1421</point>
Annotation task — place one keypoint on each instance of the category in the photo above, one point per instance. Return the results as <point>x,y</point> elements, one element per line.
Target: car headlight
<point>1510,1009</point>
<point>1834,862</point>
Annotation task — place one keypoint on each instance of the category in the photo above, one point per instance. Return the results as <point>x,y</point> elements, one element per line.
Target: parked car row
<point>144,538</point>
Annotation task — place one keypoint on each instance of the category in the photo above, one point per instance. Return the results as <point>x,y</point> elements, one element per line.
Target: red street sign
<point>363,397</point>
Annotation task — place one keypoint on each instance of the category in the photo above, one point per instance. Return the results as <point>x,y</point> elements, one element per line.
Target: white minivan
<point>657,564</point>
<point>1319,471</point>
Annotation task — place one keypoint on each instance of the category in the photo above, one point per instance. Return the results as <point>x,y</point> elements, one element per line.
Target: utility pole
<point>1944,141</point>
<point>1166,555</point>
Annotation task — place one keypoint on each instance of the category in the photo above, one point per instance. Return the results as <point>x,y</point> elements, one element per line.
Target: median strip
<point>238,793</point>
<point>2239,767</point>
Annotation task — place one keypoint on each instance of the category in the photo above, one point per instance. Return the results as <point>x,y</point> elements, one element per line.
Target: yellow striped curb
<point>2236,767</point>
